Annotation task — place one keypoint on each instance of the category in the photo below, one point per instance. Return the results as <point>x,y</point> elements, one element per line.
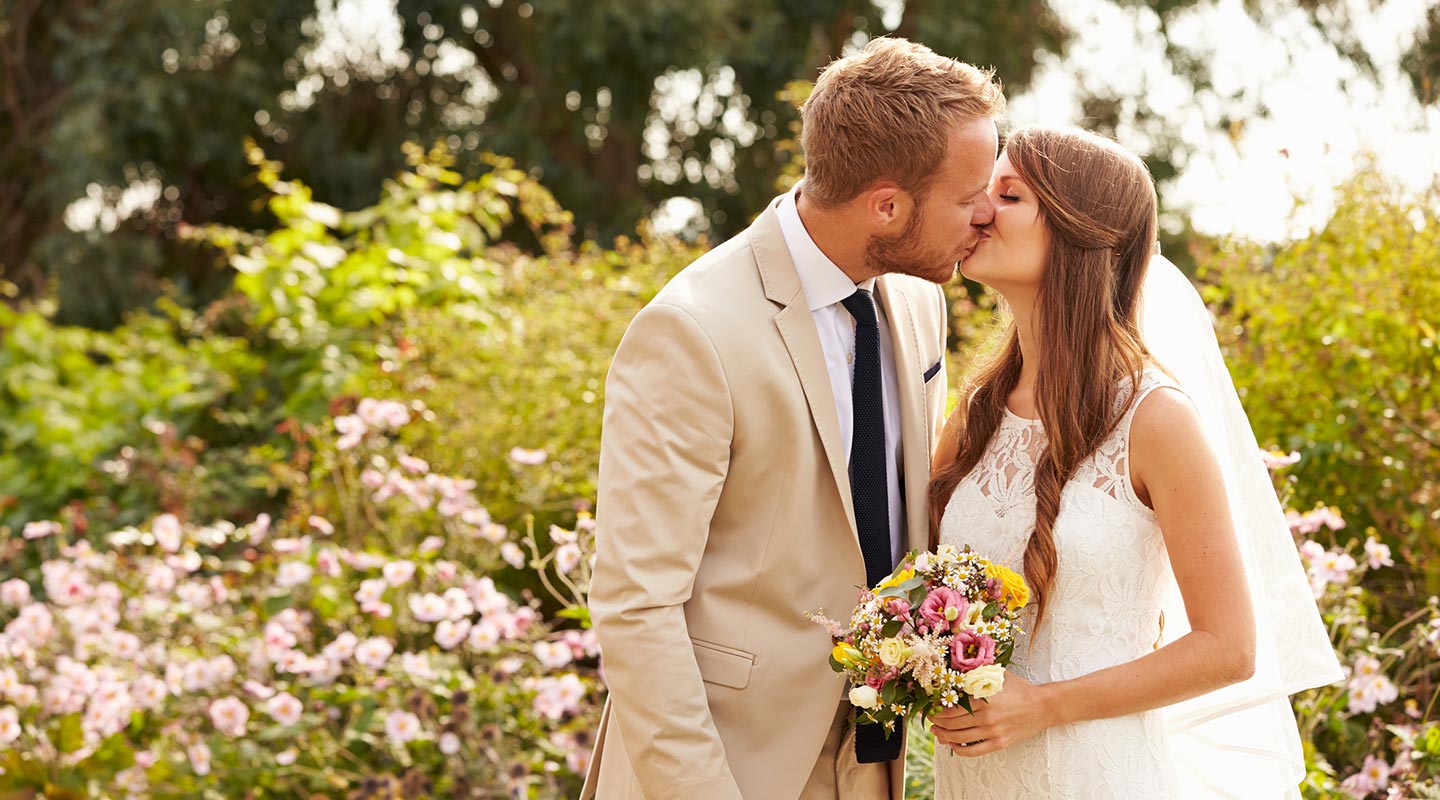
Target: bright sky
<point>1324,115</point>
<point>1274,182</point>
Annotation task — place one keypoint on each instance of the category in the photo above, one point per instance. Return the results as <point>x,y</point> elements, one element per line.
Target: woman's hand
<point>1014,714</point>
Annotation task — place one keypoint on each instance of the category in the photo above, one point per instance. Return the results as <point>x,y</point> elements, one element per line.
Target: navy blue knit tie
<point>869,489</point>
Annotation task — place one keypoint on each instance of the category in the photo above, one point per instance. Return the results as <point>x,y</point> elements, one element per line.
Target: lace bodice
<point>1103,610</point>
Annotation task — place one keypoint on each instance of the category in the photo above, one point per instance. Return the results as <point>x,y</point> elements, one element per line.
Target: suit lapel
<point>915,444</point>
<point>797,330</point>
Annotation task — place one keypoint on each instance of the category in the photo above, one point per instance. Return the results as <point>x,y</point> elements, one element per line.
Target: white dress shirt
<point>825,285</point>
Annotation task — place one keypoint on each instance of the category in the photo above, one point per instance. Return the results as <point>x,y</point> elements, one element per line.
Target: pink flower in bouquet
<point>898,607</point>
<point>943,609</point>
<point>969,650</point>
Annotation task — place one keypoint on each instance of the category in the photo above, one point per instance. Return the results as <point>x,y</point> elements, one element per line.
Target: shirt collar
<point>824,283</point>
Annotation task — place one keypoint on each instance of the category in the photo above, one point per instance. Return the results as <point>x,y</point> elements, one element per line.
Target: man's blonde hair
<point>886,113</point>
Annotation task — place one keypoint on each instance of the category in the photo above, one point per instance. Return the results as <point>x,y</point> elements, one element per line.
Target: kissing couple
<point>776,437</point>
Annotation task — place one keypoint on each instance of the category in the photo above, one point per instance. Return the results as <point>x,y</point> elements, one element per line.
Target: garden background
<point>309,304</point>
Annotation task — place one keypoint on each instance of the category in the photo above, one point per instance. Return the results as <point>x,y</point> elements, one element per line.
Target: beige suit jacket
<point>724,515</point>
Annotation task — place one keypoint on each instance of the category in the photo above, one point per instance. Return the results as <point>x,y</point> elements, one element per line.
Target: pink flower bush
<point>162,653</point>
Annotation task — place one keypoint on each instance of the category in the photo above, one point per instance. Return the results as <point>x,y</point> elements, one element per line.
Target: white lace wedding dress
<point>1104,609</point>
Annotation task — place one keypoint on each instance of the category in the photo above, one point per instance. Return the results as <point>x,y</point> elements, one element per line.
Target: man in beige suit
<point>769,419</point>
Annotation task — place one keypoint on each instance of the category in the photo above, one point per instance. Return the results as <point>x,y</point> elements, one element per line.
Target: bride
<point>1122,481</point>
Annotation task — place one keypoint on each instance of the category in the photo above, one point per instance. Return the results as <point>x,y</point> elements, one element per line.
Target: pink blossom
<point>382,413</point>
<point>415,465</point>
<point>15,593</point>
<point>402,727</point>
<point>969,650</point>
<point>294,573</point>
<point>1311,549</point>
<point>351,429</point>
<point>431,544</point>
<point>1377,554</point>
<point>428,607</point>
<point>9,725</point>
<point>525,457</point>
<point>41,529</point>
<point>398,573</point>
<point>168,533</point>
<point>342,648</point>
<point>290,546</point>
<point>557,697</point>
<point>552,655</point>
<point>374,652</point>
<point>450,633</point>
<point>582,643</point>
<point>259,529</point>
<point>943,609</point>
<point>450,744</point>
<point>199,755</point>
<point>229,715</point>
<point>328,563</point>
<point>370,591</point>
<point>1275,459</point>
<point>457,603</point>
<point>513,555</point>
<point>321,524</point>
<point>567,558</point>
<point>484,636</point>
<point>284,708</point>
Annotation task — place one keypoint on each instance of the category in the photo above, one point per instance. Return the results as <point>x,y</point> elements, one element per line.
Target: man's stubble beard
<point>904,253</point>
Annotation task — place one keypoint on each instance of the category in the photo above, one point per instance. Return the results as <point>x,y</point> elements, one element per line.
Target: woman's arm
<point>1175,472</point>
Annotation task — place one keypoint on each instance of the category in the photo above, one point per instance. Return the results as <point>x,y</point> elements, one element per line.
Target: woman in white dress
<point>1074,459</point>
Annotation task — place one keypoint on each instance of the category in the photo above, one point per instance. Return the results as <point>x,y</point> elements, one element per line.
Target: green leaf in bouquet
<point>965,703</point>
<point>891,628</point>
<point>889,692</point>
<point>916,596</point>
<point>910,584</point>
<point>836,665</point>
<point>890,591</point>
<point>992,610</point>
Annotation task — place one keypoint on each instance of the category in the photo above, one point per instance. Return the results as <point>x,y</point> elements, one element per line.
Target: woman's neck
<point>1027,330</point>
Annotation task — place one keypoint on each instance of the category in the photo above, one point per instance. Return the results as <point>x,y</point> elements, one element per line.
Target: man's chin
<point>944,274</point>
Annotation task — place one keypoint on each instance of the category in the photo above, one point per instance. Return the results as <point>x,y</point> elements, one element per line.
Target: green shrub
<point>1333,343</point>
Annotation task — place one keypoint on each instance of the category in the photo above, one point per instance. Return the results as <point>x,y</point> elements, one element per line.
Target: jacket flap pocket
<point>725,666</point>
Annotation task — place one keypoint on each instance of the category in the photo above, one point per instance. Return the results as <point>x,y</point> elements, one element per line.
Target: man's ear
<point>886,204</point>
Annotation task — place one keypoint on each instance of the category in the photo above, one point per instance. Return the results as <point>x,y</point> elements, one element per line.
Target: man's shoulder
<point>717,281</point>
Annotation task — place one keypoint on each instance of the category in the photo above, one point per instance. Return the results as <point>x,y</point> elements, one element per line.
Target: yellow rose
<point>897,579</point>
<point>893,652</point>
<point>982,682</point>
<point>847,656</point>
<point>1015,592</point>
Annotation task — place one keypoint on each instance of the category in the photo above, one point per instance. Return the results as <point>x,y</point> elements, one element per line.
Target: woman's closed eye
<point>1013,198</point>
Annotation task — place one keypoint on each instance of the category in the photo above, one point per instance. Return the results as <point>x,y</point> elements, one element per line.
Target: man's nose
<point>984,210</point>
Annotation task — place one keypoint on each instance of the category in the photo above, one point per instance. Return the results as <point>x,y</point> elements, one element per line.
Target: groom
<point>769,419</point>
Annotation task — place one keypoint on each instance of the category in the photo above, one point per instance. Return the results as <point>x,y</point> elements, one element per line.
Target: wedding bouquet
<point>938,632</point>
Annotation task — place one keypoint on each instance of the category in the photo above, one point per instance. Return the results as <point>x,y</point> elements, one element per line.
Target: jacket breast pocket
<point>722,665</point>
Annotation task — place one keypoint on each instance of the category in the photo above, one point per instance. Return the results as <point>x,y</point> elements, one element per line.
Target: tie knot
<point>861,307</point>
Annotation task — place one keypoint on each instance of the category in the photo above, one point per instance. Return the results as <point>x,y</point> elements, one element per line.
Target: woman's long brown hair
<point>1097,201</point>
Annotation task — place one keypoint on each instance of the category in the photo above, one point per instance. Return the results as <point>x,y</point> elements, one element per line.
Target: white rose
<point>983,682</point>
<point>864,697</point>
